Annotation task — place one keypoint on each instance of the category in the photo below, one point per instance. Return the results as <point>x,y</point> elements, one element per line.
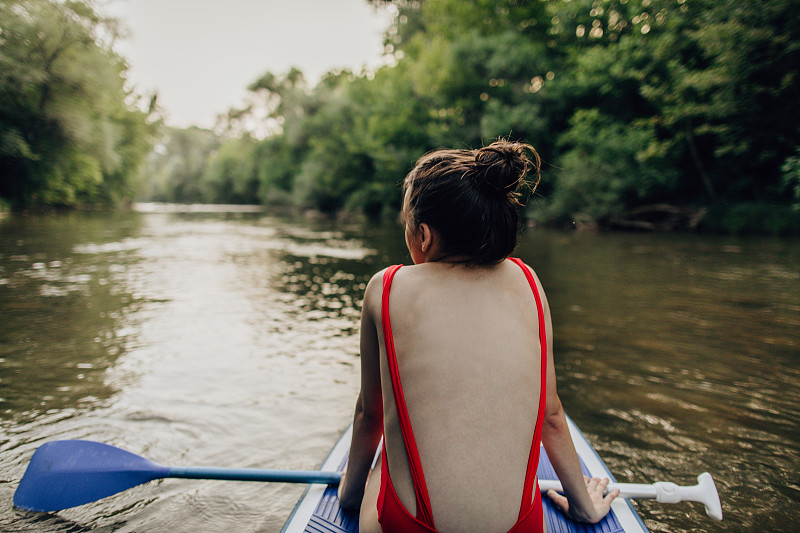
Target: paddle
<point>67,473</point>
<point>704,492</point>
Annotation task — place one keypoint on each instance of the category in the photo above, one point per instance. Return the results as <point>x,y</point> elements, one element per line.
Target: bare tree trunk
<point>696,160</point>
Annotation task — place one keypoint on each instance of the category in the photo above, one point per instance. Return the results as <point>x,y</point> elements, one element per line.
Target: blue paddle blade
<point>67,473</point>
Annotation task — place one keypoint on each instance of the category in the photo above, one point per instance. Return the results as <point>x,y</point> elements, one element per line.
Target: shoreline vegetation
<point>650,115</point>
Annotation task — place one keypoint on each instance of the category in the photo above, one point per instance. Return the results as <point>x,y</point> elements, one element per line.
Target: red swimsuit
<point>392,514</point>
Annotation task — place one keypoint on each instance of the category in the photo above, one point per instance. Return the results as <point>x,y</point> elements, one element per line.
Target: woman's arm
<point>368,418</point>
<point>584,497</point>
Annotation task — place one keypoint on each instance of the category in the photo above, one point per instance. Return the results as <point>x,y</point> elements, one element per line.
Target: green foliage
<point>639,108</point>
<point>608,166</point>
<point>174,170</point>
<point>74,180</point>
<point>277,165</point>
<point>70,132</point>
<point>791,177</point>
<point>730,82</point>
<point>231,176</point>
<point>751,218</point>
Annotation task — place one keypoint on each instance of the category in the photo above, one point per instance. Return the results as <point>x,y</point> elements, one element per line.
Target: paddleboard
<point>318,510</point>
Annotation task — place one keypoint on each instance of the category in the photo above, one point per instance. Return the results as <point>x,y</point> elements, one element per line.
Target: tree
<point>733,80</point>
<point>174,170</point>
<point>647,113</point>
<point>231,176</point>
<point>70,132</point>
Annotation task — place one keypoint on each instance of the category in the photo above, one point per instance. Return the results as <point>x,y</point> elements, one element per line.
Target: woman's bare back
<point>467,345</point>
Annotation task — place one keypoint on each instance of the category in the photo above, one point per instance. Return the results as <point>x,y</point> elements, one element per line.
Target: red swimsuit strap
<point>533,458</point>
<point>420,488</point>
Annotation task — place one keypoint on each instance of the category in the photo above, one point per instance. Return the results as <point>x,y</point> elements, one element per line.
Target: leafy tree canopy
<point>70,132</point>
<point>648,113</point>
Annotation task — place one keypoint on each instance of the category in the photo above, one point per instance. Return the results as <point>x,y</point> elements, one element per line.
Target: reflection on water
<point>226,338</point>
<point>51,286</point>
<point>678,354</point>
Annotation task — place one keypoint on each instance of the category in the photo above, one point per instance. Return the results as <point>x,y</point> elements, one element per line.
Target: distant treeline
<point>648,114</point>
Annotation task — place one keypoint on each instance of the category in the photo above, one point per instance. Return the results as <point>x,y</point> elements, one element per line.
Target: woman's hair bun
<point>503,166</point>
<point>471,198</point>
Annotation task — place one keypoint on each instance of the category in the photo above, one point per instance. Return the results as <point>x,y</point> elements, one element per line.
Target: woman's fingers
<point>601,502</point>
<point>559,499</point>
<point>611,496</point>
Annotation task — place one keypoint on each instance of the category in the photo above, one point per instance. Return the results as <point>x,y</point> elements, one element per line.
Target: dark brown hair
<point>471,198</point>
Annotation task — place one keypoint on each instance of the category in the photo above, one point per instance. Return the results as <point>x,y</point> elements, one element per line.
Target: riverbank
<point>724,218</point>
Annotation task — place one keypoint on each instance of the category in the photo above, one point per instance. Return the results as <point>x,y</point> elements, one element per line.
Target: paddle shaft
<point>626,490</point>
<point>661,491</point>
<point>249,474</point>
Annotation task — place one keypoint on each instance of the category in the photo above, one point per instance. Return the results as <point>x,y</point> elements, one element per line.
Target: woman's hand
<point>601,502</point>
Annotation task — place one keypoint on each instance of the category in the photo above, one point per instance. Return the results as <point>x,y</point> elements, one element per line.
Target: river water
<point>230,338</point>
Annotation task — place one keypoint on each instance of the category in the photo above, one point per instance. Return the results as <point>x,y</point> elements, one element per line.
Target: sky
<point>200,55</point>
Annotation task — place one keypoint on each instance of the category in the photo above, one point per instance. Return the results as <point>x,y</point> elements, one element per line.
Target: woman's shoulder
<point>374,290</point>
<point>376,281</point>
<point>525,266</point>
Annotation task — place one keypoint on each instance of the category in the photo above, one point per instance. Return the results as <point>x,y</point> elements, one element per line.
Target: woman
<point>456,366</point>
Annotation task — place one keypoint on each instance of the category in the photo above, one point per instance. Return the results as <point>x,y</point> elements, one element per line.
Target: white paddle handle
<point>704,492</point>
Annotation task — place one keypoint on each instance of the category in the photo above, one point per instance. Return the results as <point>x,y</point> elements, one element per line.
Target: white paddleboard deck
<point>318,510</point>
